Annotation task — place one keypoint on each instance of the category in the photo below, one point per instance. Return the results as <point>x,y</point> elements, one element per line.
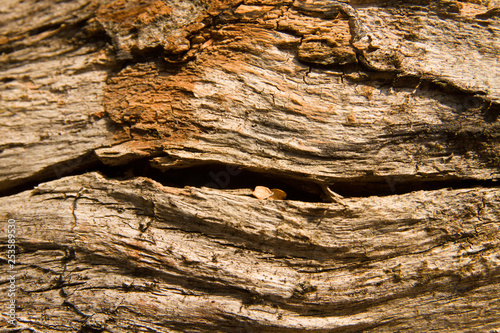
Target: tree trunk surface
<point>250,166</point>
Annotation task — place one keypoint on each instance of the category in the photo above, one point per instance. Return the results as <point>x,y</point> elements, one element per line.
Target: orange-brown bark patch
<point>152,102</point>
<point>129,13</point>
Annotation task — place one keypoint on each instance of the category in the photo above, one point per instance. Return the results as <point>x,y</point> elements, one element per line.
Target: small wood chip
<point>277,194</point>
<point>263,193</point>
<point>332,196</point>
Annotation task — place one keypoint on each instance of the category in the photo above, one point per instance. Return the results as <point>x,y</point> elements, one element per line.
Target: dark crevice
<point>219,176</point>
<point>397,185</point>
<point>213,175</point>
<point>230,177</point>
<point>85,163</point>
<point>224,176</point>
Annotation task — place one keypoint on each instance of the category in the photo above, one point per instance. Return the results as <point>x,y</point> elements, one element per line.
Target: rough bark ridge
<point>146,125</point>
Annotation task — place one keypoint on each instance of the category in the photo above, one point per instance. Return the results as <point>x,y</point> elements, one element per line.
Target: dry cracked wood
<point>247,100</point>
<point>52,77</point>
<point>262,86</point>
<point>366,98</point>
<point>115,255</point>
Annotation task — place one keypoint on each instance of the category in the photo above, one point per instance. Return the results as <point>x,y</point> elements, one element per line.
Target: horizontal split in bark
<point>462,127</point>
<point>264,93</point>
<point>234,177</point>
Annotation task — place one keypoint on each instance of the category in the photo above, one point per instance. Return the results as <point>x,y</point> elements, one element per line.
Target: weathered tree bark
<point>133,134</point>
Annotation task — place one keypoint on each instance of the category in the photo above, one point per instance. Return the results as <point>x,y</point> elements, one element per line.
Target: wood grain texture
<point>146,126</point>
<point>52,77</point>
<point>247,99</point>
<point>123,254</point>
